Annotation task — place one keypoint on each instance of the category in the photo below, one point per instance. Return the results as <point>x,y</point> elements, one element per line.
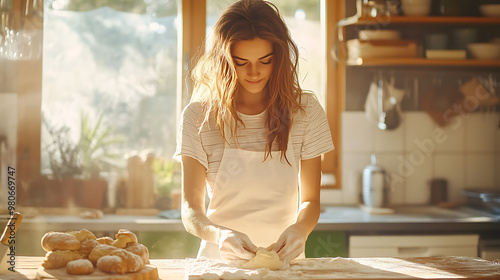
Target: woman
<point>247,130</point>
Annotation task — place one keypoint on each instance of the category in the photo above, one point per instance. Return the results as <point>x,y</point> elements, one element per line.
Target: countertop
<point>408,219</point>
<point>26,268</point>
<point>352,268</point>
<point>338,218</point>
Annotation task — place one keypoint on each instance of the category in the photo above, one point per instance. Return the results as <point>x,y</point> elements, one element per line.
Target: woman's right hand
<point>234,245</point>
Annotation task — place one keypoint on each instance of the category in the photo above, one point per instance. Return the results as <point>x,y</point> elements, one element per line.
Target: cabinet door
<point>326,244</point>
<point>170,245</point>
<point>413,246</point>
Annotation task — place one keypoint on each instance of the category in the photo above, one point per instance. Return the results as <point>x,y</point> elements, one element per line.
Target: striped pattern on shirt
<point>310,135</point>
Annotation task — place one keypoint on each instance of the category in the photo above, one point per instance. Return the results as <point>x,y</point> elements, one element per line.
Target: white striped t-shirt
<point>310,135</point>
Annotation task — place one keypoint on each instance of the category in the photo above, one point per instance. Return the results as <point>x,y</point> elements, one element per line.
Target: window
<point>115,60</point>
<point>116,64</point>
<point>303,21</point>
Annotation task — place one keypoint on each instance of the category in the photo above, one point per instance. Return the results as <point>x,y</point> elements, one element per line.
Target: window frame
<point>191,36</point>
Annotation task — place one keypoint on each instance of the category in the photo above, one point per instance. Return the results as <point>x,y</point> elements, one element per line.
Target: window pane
<point>303,20</point>
<point>115,59</point>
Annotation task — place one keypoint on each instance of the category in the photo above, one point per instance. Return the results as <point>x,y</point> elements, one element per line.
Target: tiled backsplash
<point>466,153</point>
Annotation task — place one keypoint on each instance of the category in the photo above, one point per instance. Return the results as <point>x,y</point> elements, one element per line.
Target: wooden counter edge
<point>26,268</point>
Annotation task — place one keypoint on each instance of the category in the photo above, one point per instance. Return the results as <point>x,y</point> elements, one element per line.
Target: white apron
<point>253,196</point>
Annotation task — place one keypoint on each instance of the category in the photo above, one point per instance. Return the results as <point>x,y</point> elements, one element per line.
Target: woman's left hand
<point>290,244</point>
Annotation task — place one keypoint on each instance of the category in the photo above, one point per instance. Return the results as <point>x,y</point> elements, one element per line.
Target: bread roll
<point>52,241</point>
<point>105,240</point>
<point>83,235</point>
<point>79,251</point>
<point>120,261</point>
<point>79,267</point>
<point>100,251</point>
<point>140,250</point>
<point>59,259</point>
<point>124,237</point>
<point>87,247</point>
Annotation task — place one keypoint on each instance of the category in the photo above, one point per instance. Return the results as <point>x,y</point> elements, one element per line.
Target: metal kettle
<point>374,185</point>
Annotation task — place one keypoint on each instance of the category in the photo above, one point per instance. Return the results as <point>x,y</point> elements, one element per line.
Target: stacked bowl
<point>416,8</point>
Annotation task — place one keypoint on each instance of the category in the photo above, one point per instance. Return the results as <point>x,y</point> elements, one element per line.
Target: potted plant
<point>95,156</point>
<point>94,148</point>
<point>84,160</point>
<point>59,189</point>
<point>167,185</point>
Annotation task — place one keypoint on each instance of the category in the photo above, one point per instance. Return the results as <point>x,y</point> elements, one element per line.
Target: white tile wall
<point>352,177</point>
<point>417,183</point>
<point>466,153</point>
<point>479,170</point>
<point>390,140</point>
<point>395,166</point>
<point>452,167</point>
<point>454,136</point>
<point>481,130</point>
<point>331,197</point>
<point>418,129</point>
<point>357,133</point>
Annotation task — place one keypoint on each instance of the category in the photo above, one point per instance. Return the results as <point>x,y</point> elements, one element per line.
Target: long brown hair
<point>215,80</point>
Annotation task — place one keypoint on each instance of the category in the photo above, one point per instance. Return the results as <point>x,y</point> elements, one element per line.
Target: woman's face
<point>253,60</point>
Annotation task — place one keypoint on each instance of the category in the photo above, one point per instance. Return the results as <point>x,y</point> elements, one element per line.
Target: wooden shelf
<point>423,62</point>
<point>384,20</point>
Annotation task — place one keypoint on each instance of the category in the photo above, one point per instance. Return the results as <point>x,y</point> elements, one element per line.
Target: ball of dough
<point>79,267</point>
<point>264,258</point>
<point>52,241</point>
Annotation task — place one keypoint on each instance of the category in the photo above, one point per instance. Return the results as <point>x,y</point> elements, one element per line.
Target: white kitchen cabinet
<point>413,245</point>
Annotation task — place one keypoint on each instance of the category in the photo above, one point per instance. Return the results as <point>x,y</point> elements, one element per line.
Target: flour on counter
<point>328,268</point>
<point>352,268</point>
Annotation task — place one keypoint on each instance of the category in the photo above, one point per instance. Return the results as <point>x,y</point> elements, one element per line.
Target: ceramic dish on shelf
<point>416,8</point>
<point>381,48</point>
<point>366,35</point>
<point>490,10</point>
<point>484,50</point>
<point>495,40</point>
<point>445,54</point>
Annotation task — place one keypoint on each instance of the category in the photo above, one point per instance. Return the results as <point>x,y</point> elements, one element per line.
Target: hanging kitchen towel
<point>371,110</point>
<point>371,103</point>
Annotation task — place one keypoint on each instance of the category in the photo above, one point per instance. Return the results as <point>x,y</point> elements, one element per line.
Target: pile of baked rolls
<point>80,251</point>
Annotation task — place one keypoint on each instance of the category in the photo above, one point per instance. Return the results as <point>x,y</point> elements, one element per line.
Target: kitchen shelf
<point>384,20</point>
<point>397,61</point>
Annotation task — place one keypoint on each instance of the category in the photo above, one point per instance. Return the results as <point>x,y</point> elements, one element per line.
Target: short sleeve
<point>188,136</point>
<point>317,136</point>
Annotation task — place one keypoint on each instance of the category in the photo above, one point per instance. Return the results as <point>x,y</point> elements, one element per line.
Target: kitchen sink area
<point>418,230</point>
<point>408,213</point>
<point>406,217</point>
<point>437,213</point>
<point>346,218</point>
